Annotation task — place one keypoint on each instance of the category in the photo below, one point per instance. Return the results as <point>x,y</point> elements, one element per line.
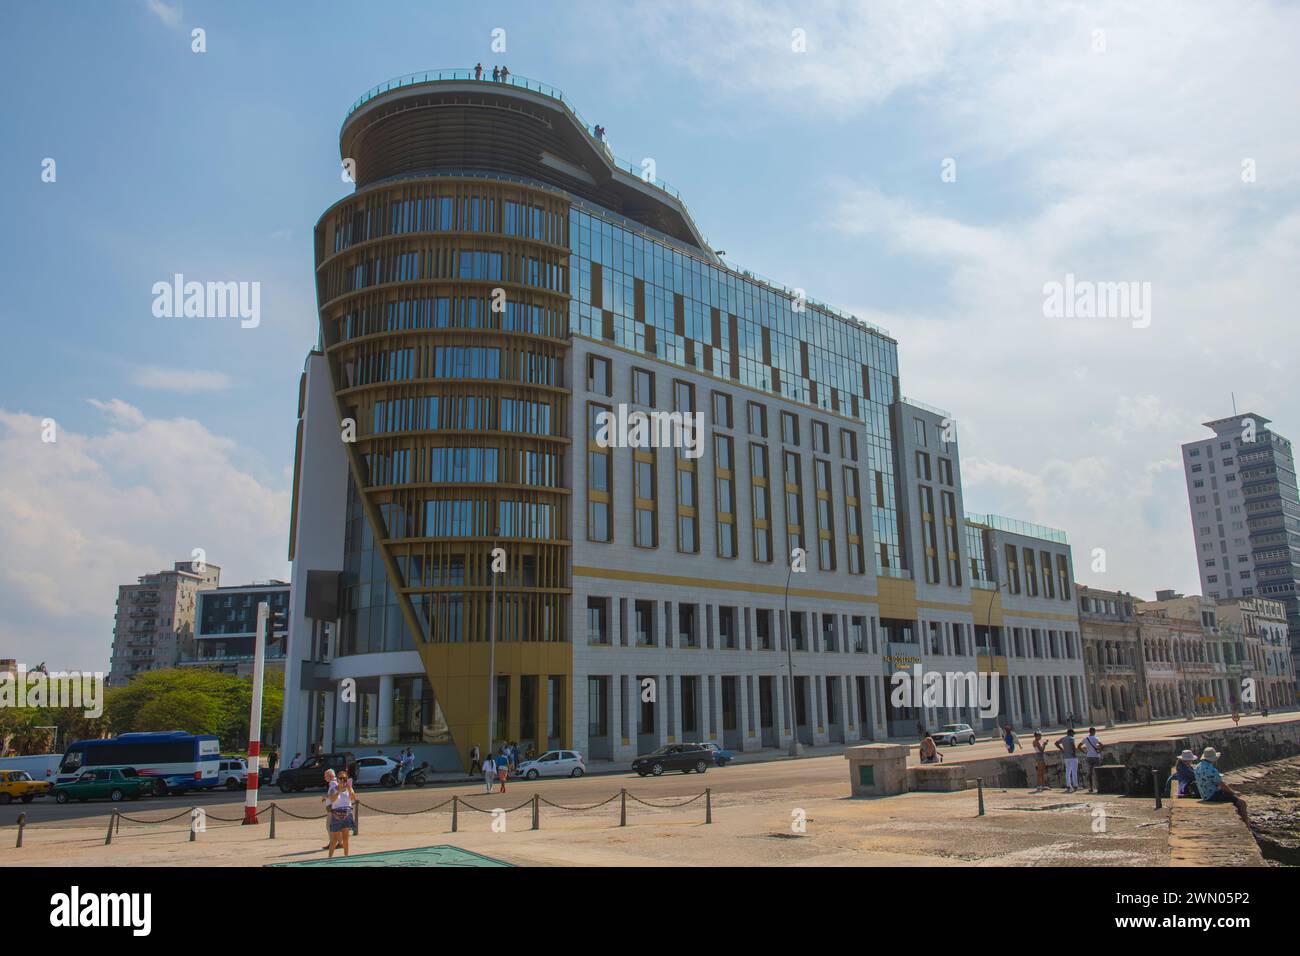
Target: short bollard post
<point>1155,786</point>
<point>622,809</point>
<point>193,825</point>
<point>536,812</point>
<point>272,834</point>
<point>356,818</point>
<point>708,804</point>
<point>22,822</point>
<point>455,806</point>
<point>108,837</point>
<point>117,830</point>
<point>979,783</point>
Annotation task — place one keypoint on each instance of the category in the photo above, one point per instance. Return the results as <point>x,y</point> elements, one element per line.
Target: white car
<point>553,763</point>
<point>376,771</point>
<point>953,734</point>
<point>232,773</point>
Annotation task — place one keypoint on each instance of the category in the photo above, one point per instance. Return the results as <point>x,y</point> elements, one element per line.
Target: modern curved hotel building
<point>495,281</point>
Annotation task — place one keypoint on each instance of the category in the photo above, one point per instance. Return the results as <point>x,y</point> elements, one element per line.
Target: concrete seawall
<point>1239,747</point>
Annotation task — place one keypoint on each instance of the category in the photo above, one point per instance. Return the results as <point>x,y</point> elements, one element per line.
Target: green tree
<point>195,700</point>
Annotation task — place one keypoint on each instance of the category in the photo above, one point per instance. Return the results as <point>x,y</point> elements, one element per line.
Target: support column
<point>385,727</point>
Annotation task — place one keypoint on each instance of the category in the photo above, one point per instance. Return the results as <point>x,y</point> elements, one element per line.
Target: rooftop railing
<point>1016,526</point>
<point>520,82</point>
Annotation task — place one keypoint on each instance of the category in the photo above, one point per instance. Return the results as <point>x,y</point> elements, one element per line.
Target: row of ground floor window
<point>626,714</point>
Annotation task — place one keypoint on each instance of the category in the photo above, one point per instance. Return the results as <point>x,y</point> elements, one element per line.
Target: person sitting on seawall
<point>1213,790</point>
<point>1184,774</point>
<point>929,752</point>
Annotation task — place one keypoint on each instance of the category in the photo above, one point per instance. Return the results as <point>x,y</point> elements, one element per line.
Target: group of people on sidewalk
<point>496,768</point>
<point>1194,778</point>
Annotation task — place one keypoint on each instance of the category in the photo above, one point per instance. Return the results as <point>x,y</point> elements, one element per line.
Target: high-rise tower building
<point>1241,485</point>
<point>497,285</point>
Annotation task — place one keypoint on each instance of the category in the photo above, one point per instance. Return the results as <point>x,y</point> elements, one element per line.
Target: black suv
<point>311,773</point>
<point>683,757</point>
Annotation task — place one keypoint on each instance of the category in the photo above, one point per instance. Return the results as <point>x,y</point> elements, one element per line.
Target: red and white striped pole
<point>255,715</point>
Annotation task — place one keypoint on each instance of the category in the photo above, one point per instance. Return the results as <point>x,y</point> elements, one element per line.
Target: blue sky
<point>820,168</point>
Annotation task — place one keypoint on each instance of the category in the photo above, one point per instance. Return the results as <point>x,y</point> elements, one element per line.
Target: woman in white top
<point>489,773</point>
<point>341,823</point>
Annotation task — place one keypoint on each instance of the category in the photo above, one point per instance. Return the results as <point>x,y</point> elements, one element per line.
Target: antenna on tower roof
<point>1234,402</point>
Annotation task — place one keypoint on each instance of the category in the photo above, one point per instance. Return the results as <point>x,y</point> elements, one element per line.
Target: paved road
<point>747,777</point>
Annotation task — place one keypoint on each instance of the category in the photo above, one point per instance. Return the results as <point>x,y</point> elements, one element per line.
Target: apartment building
<point>1114,662</point>
<point>226,627</point>
<point>154,623</point>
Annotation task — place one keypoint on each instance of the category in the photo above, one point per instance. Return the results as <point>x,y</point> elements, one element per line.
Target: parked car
<point>683,757</point>
<point>553,763</point>
<point>954,734</point>
<point>105,783</point>
<point>232,773</point>
<point>19,784</point>
<point>376,771</point>
<point>311,773</point>
<point>721,755</point>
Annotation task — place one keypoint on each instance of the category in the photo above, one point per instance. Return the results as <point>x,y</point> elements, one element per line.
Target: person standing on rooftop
<point>496,74</point>
<point>478,71</point>
<point>505,73</point>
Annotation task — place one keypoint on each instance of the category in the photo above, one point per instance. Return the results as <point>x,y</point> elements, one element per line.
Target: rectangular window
<point>597,620</point>
<point>821,438</point>
<point>721,410</point>
<point>683,396</point>
<point>724,495</point>
<point>598,375</point>
<point>789,428</point>
<point>758,419</point>
<point>644,499</point>
<point>643,387</point>
<point>643,613</point>
<point>687,635</point>
<point>727,628</point>
<point>763,628</point>
<point>848,444</point>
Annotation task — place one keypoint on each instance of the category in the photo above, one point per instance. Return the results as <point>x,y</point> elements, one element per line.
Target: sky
<point>930,167</point>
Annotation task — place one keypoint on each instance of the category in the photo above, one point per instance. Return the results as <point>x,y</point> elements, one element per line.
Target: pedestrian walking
<point>271,759</point>
<point>474,762</point>
<point>489,769</point>
<point>503,771</point>
<point>1092,748</point>
<point>1010,739</point>
<point>342,822</point>
<point>1040,760</point>
<point>404,768</point>
<point>1070,753</point>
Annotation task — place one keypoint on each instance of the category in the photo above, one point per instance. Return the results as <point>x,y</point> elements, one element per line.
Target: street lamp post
<point>988,635</point>
<point>789,662</point>
<point>492,649</point>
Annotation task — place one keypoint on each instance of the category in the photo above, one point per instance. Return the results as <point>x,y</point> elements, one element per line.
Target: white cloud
<point>88,512</point>
<point>168,13</point>
<point>180,379</point>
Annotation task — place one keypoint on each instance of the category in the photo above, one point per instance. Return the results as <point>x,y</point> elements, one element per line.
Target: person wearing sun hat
<point>1185,775</point>
<point>1213,789</point>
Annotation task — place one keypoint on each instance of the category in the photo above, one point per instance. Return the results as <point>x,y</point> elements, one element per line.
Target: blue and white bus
<point>179,760</point>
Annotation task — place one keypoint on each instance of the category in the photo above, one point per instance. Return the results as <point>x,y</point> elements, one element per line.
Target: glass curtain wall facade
<point>648,295</point>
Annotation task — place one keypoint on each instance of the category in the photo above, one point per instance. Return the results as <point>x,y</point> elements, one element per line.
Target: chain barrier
<point>593,806</point>
<point>115,816</point>
<point>666,806</point>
